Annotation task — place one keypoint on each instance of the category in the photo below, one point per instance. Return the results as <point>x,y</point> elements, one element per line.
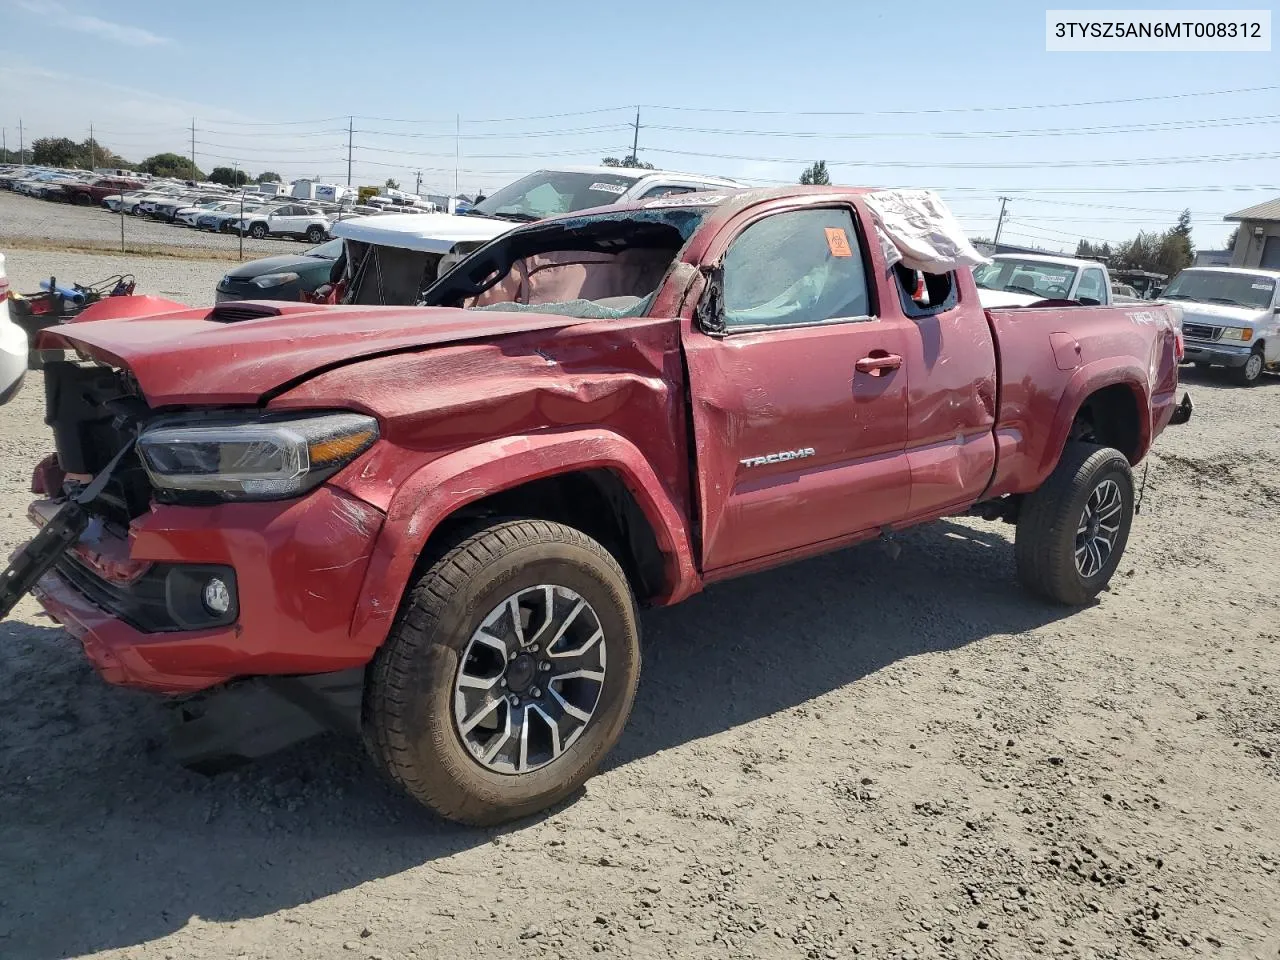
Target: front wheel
<point>509,674</point>
<point>1251,372</point>
<point>315,234</point>
<point>258,231</point>
<point>1073,530</point>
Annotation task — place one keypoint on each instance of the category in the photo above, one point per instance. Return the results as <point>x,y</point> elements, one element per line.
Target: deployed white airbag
<point>923,233</point>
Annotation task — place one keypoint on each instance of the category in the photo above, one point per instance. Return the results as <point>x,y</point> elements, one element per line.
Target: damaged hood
<point>204,357</point>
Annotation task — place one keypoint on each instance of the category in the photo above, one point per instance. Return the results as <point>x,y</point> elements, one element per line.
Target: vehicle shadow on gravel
<point>762,644</point>
<point>107,844</point>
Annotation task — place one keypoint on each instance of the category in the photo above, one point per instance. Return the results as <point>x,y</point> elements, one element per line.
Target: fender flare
<point>440,488</point>
<point>1086,381</point>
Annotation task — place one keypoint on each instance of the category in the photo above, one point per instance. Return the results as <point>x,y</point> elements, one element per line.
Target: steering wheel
<point>1057,290</point>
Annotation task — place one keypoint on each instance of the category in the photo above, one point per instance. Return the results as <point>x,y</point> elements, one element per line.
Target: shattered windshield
<point>1253,290</point>
<point>547,193</point>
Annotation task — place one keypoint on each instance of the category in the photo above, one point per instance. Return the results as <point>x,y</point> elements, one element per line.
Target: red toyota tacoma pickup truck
<point>434,525</point>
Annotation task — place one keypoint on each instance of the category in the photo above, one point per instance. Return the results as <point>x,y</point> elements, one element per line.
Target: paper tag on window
<point>1260,286</point>
<point>838,242</point>
<point>608,188</point>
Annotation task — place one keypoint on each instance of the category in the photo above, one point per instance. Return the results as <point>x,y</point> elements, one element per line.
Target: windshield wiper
<point>517,217</point>
<point>1175,296</point>
<point>1227,300</point>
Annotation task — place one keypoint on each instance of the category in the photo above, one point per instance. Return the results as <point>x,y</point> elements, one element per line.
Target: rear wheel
<point>258,231</point>
<point>509,674</point>
<point>1251,372</point>
<point>1073,530</point>
<point>315,234</point>
<point>81,199</point>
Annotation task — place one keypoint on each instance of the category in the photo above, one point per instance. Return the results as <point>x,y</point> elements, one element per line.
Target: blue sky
<point>748,89</point>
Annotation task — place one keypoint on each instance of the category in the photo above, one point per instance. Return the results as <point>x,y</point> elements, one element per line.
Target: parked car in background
<point>1230,318</point>
<point>1018,279</point>
<point>285,277</point>
<point>94,192</point>
<point>289,220</point>
<point>168,209</point>
<point>223,216</point>
<point>187,216</point>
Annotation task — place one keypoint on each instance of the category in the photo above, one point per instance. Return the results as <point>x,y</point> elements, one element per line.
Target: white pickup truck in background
<point>1019,279</point>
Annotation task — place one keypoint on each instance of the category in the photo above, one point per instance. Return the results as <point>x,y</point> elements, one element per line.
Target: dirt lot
<point>40,224</point>
<point>851,755</point>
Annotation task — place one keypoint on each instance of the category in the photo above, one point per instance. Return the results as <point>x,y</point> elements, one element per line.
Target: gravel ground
<point>25,221</point>
<point>906,759</point>
<point>187,281</point>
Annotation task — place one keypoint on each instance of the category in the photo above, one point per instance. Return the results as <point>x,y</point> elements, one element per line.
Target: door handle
<point>878,364</point>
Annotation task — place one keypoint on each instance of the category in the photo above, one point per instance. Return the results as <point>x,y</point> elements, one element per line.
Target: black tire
<point>82,199</point>
<point>408,716</point>
<point>258,231</point>
<point>315,234</point>
<point>1050,518</point>
<point>1251,372</point>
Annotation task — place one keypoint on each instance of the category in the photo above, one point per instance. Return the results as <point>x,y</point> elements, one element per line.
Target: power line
<point>1169,126</point>
<point>946,110</point>
<point>976,165</point>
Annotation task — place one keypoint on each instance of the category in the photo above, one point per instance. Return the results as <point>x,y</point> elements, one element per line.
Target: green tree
<point>630,160</point>
<point>1183,227</point>
<point>55,152</point>
<point>392,183</point>
<point>170,165</point>
<point>816,175</point>
<point>268,176</point>
<point>94,154</point>
<point>1231,240</point>
<point>228,176</point>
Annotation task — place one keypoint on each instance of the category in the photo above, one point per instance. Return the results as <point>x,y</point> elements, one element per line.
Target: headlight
<point>252,459</point>
<point>274,279</point>
<point>1243,334</point>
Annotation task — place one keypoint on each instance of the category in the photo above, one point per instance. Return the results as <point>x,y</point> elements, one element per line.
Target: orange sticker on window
<point>838,242</point>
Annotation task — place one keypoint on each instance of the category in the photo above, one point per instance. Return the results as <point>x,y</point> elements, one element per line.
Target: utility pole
<point>22,152</point>
<point>417,187</point>
<point>92,161</point>
<point>999,222</point>
<point>351,123</point>
<point>4,143</point>
<point>457,150</point>
<point>635,141</point>
<point>193,149</point>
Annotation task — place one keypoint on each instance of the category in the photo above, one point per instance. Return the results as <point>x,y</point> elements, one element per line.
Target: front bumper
<point>1221,354</point>
<point>299,569</point>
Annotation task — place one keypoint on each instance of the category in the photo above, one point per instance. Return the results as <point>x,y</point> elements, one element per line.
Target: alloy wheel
<point>1098,529</point>
<point>530,679</point>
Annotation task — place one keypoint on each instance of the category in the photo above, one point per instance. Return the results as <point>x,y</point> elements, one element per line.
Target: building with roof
<point>1258,243</point>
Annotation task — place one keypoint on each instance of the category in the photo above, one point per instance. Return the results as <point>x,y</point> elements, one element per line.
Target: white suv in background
<point>13,345</point>
<point>290,220</point>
